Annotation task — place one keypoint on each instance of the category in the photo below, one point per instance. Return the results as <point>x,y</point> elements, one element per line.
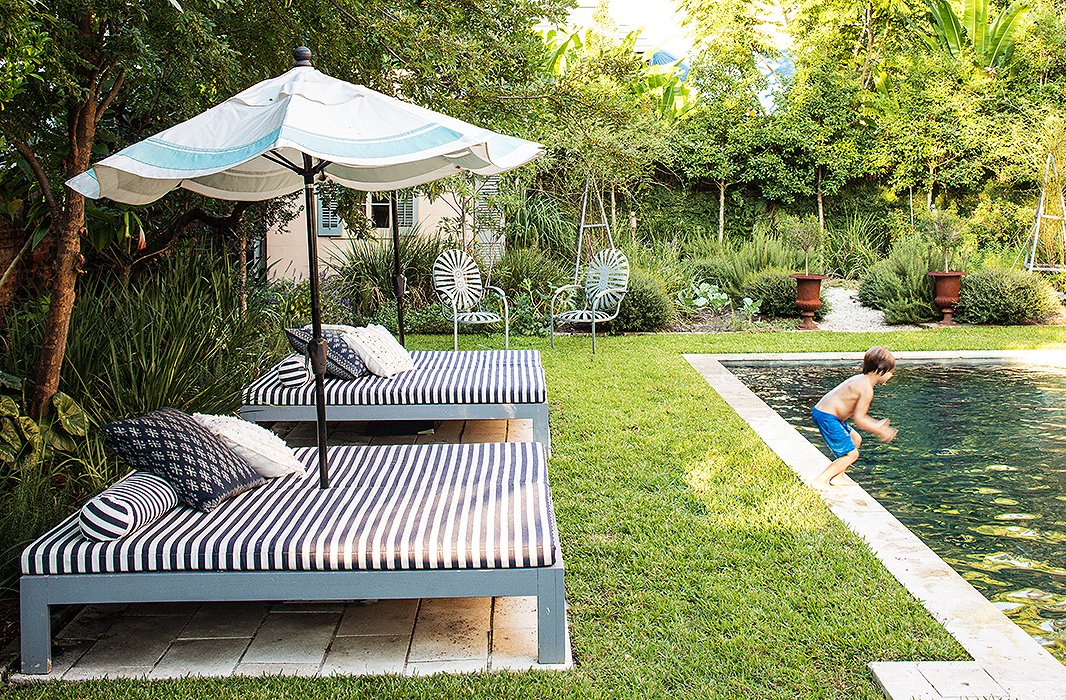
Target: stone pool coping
<point>1013,659</point>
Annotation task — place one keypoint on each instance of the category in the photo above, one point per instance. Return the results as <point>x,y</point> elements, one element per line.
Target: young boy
<point>851,399</point>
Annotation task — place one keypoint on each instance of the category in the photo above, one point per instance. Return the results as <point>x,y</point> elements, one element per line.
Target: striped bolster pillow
<point>293,371</point>
<point>127,506</point>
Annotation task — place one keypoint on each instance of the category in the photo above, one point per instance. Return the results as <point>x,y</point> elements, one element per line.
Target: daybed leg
<point>541,432</point>
<point>551,617</point>
<point>36,628</point>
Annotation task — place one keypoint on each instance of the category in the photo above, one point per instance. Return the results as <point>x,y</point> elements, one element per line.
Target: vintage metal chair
<point>606,283</point>
<point>457,281</point>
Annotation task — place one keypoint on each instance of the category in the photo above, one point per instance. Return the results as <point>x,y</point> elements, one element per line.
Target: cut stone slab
<point>131,643</point>
<point>451,629</point>
<point>292,638</point>
<point>428,668</point>
<point>964,679</point>
<point>902,681</point>
<point>514,649</point>
<point>200,657</point>
<point>381,617</point>
<point>91,623</point>
<point>512,612</point>
<point>359,656</point>
<point>78,673</point>
<point>485,431</point>
<point>519,430</point>
<point>225,620</point>
<point>246,669</point>
<point>65,656</point>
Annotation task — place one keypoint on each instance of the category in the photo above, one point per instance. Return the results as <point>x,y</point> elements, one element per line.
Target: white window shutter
<point>405,212</point>
<point>329,221</point>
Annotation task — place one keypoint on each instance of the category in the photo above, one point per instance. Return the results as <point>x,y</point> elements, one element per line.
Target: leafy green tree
<point>719,141</point>
<point>114,72</point>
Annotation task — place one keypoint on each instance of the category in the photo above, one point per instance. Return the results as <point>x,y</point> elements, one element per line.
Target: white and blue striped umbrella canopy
<point>373,143</point>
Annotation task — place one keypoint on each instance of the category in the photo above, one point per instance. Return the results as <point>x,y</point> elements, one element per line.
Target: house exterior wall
<point>286,247</point>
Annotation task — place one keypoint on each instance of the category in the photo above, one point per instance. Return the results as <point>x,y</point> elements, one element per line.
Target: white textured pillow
<point>264,451</point>
<point>379,351</point>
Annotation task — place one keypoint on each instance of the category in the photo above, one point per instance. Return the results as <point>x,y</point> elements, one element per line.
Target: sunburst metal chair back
<point>461,291</point>
<point>606,284</point>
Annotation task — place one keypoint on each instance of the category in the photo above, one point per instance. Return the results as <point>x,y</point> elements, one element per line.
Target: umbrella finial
<point>302,56</point>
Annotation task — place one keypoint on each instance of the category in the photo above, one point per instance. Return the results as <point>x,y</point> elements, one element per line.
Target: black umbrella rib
<point>275,157</point>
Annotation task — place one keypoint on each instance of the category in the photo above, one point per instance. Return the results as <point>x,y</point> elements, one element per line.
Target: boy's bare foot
<point>820,486</point>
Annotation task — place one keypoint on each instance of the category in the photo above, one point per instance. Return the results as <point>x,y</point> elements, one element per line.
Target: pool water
<point>978,471</point>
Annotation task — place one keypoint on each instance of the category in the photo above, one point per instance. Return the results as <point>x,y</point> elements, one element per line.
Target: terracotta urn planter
<point>947,294</point>
<point>808,293</point>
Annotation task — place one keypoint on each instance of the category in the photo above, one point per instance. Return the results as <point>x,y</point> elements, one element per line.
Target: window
<point>329,221</point>
<point>405,211</point>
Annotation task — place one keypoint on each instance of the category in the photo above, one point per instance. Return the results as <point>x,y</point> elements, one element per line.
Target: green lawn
<point>697,564</point>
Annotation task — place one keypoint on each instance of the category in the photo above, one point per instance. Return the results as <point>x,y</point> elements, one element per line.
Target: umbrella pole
<point>399,280</point>
<point>316,349</point>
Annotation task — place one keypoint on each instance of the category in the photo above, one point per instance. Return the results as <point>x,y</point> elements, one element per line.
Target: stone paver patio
<point>407,637</point>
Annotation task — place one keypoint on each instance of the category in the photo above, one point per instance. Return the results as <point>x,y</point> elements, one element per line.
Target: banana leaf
<point>946,24</point>
<point>975,22</point>
<point>1001,36</point>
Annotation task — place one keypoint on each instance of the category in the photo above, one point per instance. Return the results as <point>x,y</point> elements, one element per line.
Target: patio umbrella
<point>286,133</point>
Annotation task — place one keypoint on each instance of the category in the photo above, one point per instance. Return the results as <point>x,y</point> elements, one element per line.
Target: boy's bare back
<point>843,400</point>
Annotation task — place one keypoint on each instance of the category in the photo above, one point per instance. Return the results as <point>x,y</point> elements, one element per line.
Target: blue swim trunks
<point>835,432</point>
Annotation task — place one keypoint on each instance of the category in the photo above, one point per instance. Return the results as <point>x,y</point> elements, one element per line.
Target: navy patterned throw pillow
<point>170,444</point>
<point>342,361</point>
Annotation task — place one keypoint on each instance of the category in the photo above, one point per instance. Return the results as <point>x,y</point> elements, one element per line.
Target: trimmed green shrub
<point>713,270</point>
<point>775,289</point>
<point>646,307</point>
<point>900,284</point>
<point>730,270</point>
<point>662,260</point>
<point>998,295</point>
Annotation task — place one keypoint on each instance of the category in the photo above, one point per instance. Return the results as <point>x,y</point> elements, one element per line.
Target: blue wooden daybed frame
<point>40,592</point>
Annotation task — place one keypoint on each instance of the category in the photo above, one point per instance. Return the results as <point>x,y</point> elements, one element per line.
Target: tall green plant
<point>365,272</point>
<point>176,337</point>
<point>991,45</point>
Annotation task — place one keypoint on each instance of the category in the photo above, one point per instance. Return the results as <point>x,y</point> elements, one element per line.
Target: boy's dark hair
<point>879,360</point>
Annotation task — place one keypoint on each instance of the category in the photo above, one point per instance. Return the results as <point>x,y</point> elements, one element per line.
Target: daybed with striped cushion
<point>399,521</point>
<point>452,385</point>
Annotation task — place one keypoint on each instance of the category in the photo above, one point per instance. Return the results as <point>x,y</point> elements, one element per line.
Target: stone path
<point>407,637</point>
<point>847,314</point>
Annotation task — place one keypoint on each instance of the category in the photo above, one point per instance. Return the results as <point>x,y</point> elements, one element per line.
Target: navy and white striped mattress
<point>439,377</point>
<point>476,506</point>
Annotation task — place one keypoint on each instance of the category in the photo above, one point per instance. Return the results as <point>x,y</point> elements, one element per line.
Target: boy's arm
<point>860,418</point>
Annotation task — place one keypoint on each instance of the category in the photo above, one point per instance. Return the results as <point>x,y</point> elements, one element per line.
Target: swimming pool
<point>978,470</point>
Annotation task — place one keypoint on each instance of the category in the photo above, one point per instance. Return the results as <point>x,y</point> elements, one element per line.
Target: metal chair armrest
<point>565,287</point>
<point>601,294</point>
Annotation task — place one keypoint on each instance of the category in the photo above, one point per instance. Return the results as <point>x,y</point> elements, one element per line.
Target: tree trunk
<point>932,182</point>
<point>821,205</point>
<point>242,256</point>
<point>614,213</point>
<point>721,210</point>
<point>66,235</point>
